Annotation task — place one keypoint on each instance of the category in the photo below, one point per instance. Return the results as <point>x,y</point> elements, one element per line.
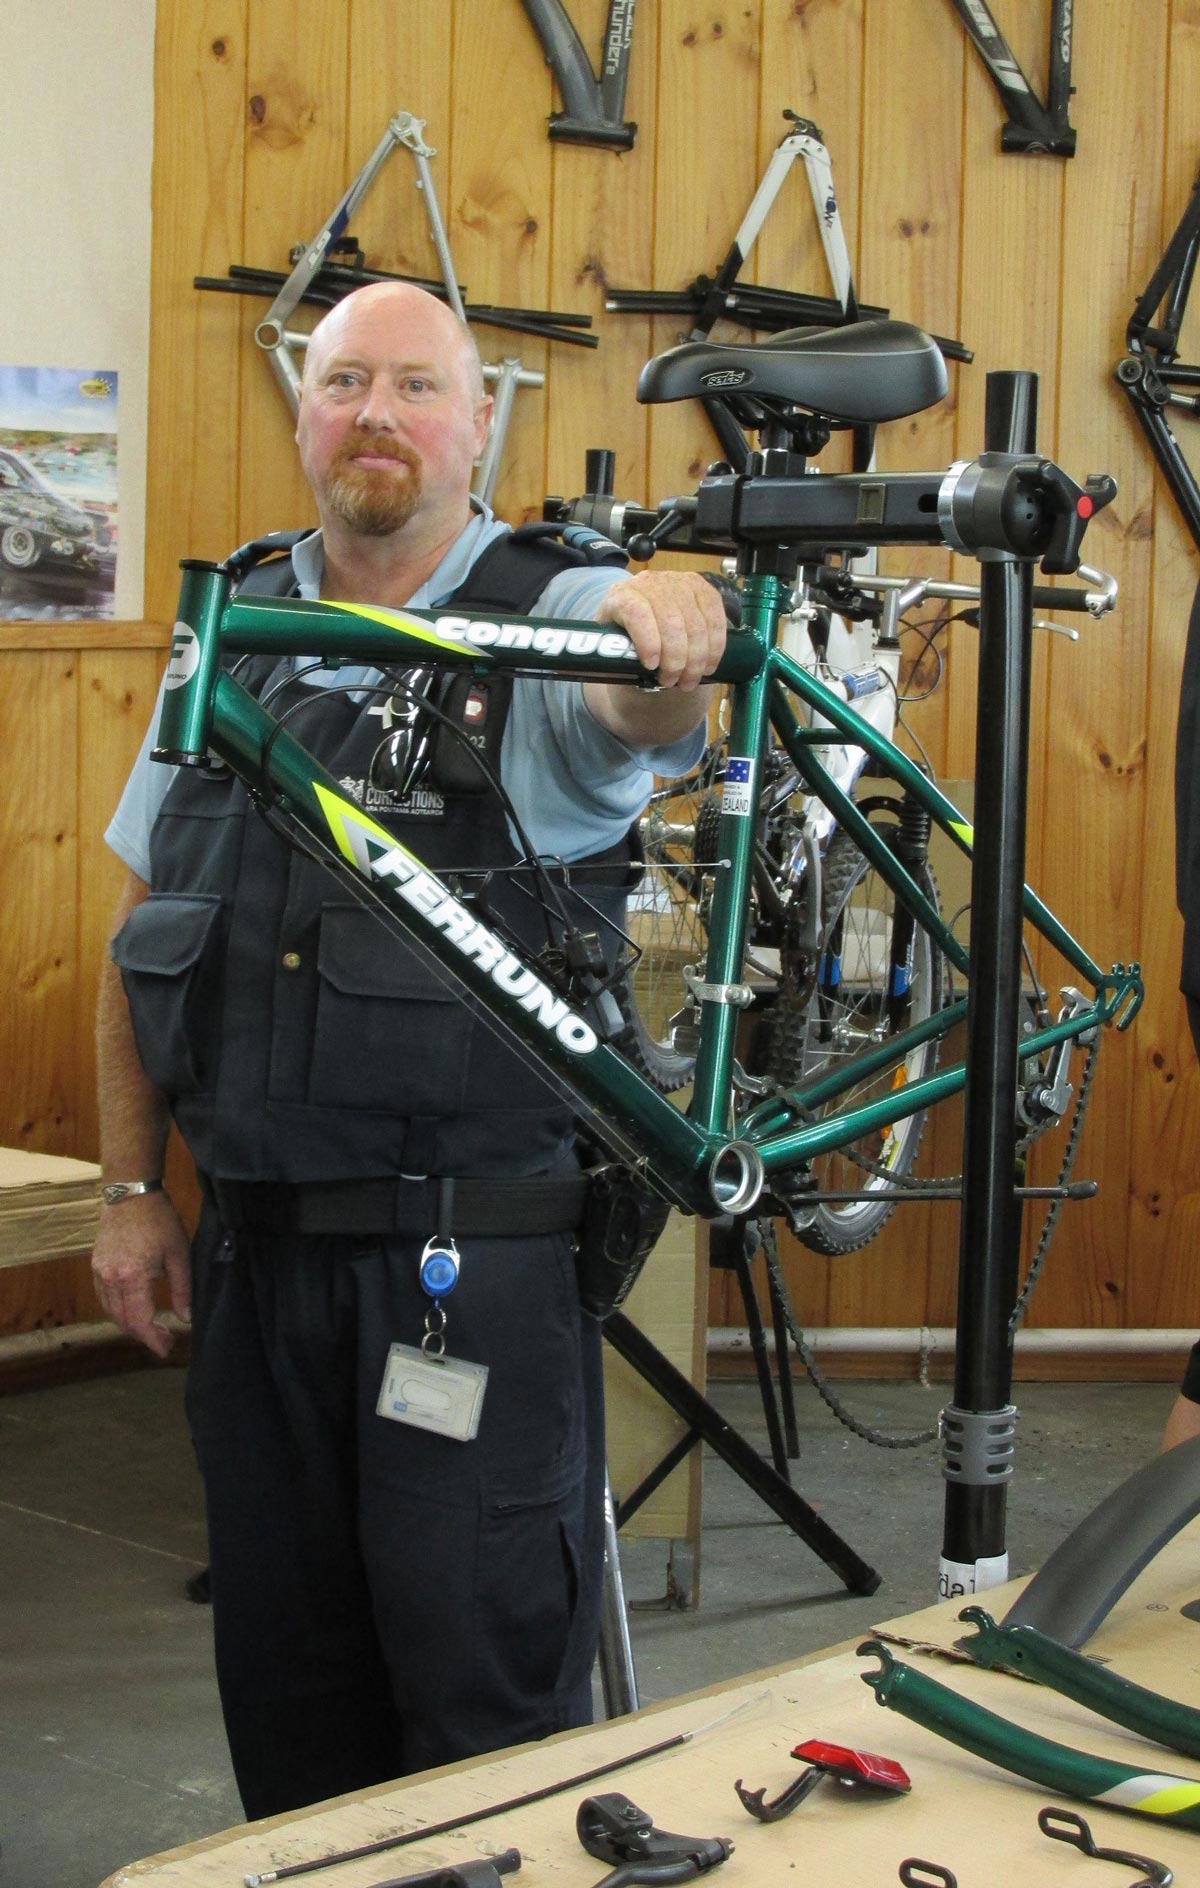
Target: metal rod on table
<point>977,1428</point>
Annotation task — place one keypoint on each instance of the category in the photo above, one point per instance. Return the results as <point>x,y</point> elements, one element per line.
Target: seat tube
<point>762,599</point>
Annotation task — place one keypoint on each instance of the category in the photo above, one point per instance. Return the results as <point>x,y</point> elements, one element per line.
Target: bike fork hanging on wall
<point>595,107</point>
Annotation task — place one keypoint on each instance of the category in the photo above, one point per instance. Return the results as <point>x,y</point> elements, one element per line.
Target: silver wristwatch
<point>118,1190</point>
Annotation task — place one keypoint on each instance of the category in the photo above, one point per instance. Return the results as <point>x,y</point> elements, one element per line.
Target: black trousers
<point>386,1599</point>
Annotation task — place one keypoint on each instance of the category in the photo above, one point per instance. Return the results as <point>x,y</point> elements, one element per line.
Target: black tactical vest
<point>294,1037</point>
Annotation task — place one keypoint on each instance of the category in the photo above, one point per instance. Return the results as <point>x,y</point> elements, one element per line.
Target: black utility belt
<point>482,1207</point>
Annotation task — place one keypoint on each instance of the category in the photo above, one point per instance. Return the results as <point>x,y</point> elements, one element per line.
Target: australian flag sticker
<point>738,796</point>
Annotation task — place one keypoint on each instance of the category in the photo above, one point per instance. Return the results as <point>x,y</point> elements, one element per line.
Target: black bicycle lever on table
<point>856,1769</point>
<point>483,1872</point>
<point>615,1830</point>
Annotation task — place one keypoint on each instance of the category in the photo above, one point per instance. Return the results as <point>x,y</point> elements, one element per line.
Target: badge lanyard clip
<point>438,1269</point>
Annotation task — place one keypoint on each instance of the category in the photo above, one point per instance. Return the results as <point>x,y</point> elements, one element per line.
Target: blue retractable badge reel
<point>438,1269</point>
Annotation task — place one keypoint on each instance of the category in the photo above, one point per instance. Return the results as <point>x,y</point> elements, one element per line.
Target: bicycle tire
<point>667,919</point>
<point>837,1016</point>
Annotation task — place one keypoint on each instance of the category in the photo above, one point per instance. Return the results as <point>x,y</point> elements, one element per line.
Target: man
<point>385,1598</point>
<point>1183,1421</point>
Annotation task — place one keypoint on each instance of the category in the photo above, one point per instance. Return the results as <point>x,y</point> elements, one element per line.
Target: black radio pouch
<point>622,1223</point>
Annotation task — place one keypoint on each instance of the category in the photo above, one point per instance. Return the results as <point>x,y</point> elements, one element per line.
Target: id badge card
<point>442,1394</point>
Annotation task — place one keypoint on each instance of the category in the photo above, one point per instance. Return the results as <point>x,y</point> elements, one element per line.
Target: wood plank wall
<point>265,110</point>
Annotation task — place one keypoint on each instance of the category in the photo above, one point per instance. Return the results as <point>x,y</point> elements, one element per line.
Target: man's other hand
<point>137,1242</point>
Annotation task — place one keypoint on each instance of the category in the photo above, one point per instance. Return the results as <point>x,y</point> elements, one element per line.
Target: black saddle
<point>862,373</point>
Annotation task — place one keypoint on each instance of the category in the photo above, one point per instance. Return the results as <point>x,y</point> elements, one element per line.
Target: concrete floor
<point>110,1737</point>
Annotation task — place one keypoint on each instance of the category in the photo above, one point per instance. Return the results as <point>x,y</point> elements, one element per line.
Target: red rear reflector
<point>857,1766</point>
<point>1084,506</point>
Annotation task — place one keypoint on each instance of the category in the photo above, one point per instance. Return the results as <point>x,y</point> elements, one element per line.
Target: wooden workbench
<point>961,1813</point>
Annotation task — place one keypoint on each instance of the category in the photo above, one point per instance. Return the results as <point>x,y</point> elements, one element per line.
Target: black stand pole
<point>978,1427</point>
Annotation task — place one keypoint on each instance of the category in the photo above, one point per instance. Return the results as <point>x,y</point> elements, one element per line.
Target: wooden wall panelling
<point>1164,1222</point>
<point>499,208</point>
<point>1095,778</point>
<point>400,61</point>
<point>707,113</point>
<point>39,851</point>
<point>1011,283</point>
<point>195,337</point>
<point>909,244</point>
<point>601,236</point>
<point>117,691</point>
<point>812,65</point>
<point>300,155</point>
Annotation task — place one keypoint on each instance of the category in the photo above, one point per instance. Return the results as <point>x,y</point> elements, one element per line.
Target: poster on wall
<point>58,493</point>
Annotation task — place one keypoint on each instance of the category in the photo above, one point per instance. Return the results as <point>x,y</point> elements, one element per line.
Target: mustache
<point>379,448</point>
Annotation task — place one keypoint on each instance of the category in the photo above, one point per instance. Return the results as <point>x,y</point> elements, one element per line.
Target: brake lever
<point>613,1829</point>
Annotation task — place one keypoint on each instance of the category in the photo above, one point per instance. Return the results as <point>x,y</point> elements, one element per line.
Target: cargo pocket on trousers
<point>389,1035</point>
<point>166,952</point>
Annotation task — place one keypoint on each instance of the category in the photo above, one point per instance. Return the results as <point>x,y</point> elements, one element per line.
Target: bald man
<point>386,1595</point>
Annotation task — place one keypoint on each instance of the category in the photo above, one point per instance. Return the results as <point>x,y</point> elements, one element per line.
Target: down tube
<point>677,1153</point>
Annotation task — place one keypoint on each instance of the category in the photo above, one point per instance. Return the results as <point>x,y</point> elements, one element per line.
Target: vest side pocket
<point>166,952</point>
<point>389,1035</point>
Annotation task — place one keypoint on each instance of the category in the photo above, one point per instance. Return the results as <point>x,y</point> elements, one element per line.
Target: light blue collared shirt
<point>575,787</point>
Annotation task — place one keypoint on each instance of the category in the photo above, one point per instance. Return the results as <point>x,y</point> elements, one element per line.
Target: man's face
<point>390,423</point>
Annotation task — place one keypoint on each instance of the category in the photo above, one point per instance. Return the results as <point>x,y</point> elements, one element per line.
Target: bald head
<point>393,416</point>
<point>396,308</point>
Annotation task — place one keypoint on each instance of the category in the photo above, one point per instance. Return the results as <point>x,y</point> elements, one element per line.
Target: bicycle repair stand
<point>1014,499</point>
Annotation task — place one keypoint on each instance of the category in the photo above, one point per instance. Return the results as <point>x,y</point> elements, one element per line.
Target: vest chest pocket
<point>167,952</point>
<point>389,1035</point>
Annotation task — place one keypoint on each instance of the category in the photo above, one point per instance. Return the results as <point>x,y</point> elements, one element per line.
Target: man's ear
<point>483,421</point>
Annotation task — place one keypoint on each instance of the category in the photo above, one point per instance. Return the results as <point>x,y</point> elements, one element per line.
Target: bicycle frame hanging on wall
<point>1152,373</point>
<point>1031,125</point>
<point>284,346</point>
<point>720,297</point>
<point>595,107</point>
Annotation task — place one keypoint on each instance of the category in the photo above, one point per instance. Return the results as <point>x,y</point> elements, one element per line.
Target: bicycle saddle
<point>866,371</point>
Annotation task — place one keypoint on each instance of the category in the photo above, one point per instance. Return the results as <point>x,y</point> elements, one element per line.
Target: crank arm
<point>1035,1655</point>
<point>1056,1767</point>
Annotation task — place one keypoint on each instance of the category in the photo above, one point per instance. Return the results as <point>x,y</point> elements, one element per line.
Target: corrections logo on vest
<point>375,854</point>
<point>421,803</point>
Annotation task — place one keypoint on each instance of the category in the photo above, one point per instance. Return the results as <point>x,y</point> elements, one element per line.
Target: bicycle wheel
<point>828,1012</point>
<point>667,918</point>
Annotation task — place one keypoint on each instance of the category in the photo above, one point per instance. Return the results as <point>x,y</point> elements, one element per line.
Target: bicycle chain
<point>769,1242</point>
<point>1064,1175</point>
<point>770,1248</point>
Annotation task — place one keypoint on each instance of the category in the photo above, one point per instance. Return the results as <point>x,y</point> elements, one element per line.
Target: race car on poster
<point>39,526</point>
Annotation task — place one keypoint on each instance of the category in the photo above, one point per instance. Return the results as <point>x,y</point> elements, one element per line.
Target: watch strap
<point>117,1190</point>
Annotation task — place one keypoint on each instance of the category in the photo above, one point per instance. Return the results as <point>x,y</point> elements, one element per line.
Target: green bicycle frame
<point>700,1160</point>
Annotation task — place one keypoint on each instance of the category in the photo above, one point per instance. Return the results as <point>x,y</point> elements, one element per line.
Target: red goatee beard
<point>372,501</point>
